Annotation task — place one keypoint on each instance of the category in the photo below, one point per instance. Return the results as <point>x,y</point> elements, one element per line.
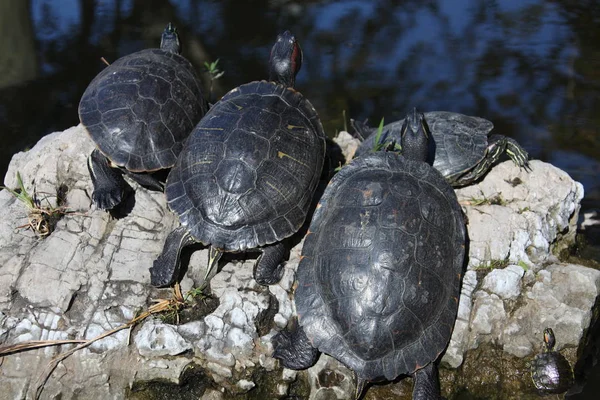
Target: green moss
<point>496,199</point>
<point>266,386</point>
<point>193,384</point>
<point>489,373</point>
<point>493,264</point>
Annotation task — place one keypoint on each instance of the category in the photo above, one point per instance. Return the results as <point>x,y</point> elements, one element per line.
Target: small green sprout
<point>523,265</point>
<point>214,73</point>
<point>42,218</point>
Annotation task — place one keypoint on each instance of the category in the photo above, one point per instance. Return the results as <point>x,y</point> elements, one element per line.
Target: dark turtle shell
<point>140,109</point>
<point>551,372</point>
<point>460,140</point>
<point>248,172</point>
<point>380,272</point>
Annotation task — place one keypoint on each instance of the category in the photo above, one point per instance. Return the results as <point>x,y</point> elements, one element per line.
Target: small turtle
<point>139,110</point>
<point>246,177</point>
<point>550,370</point>
<point>380,272</point>
<point>464,149</point>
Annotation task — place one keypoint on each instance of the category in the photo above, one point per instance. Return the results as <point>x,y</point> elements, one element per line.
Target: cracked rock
<point>91,276</point>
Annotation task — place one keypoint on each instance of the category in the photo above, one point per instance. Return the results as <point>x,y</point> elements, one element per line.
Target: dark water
<point>530,66</point>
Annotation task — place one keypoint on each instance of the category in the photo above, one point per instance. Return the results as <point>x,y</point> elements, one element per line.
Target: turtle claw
<point>269,266</point>
<point>518,154</point>
<point>293,349</point>
<point>108,182</point>
<point>107,199</point>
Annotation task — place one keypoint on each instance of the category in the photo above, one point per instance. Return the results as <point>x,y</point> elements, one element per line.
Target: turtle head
<point>549,339</point>
<point>285,60</point>
<point>170,40</point>
<point>415,136</point>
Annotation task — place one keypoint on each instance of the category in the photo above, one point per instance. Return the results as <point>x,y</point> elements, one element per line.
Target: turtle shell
<point>460,140</point>
<point>248,172</point>
<point>140,109</point>
<point>551,372</point>
<point>380,272</point>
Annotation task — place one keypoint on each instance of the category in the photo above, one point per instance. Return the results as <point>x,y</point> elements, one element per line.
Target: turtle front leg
<point>165,268</point>
<point>109,185</point>
<point>498,144</point>
<point>269,267</point>
<point>426,383</point>
<point>293,349</point>
<point>517,153</point>
<point>146,180</point>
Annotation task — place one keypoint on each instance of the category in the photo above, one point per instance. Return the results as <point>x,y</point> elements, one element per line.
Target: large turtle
<point>550,370</point>
<point>139,111</point>
<point>247,175</point>
<point>464,148</point>
<point>380,272</point>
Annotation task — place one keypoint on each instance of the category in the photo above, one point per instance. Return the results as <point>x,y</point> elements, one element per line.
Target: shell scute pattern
<point>264,170</point>
<point>368,235</point>
<point>141,108</point>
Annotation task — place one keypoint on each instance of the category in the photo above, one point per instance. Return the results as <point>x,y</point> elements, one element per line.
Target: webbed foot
<point>109,185</point>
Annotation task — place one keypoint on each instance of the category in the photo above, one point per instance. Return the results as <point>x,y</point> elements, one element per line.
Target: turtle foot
<point>107,199</point>
<point>517,153</point>
<point>165,269</point>
<point>269,266</point>
<point>293,349</point>
<point>109,185</point>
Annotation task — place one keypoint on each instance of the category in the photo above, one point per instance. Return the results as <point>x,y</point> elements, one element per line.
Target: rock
<point>505,282</point>
<point>521,217</point>
<point>91,275</point>
<point>157,339</point>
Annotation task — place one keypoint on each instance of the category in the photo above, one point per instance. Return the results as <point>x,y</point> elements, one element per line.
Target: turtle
<point>381,268</point>
<point>464,149</point>
<point>550,370</point>
<point>138,111</point>
<point>246,177</point>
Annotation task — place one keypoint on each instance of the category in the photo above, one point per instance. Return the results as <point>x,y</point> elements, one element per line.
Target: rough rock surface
<point>91,275</point>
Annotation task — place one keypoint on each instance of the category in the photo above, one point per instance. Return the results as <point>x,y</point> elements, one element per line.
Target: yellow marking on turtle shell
<point>295,127</point>
<point>276,189</point>
<point>201,163</point>
<point>281,154</point>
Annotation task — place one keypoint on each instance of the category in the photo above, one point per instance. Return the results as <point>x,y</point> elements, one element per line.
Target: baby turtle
<point>380,271</point>
<point>550,370</point>
<point>139,110</point>
<point>464,149</point>
<point>246,177</point>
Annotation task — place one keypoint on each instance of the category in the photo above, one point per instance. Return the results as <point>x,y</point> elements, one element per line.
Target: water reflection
<point>529,66</point>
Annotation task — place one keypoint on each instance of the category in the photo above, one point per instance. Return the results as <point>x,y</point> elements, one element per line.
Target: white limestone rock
<point>532,214</point>
<point>505,282</point>
<point>156,339</point>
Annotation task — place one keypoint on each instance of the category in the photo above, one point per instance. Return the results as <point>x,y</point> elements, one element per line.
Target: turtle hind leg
<point>498,144</point>
<point>269,267</point>
<point>293,349</point>
<point>426,383</point>
<point>109,185</point>
<point>165,269</point>
<point>147,180</point>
